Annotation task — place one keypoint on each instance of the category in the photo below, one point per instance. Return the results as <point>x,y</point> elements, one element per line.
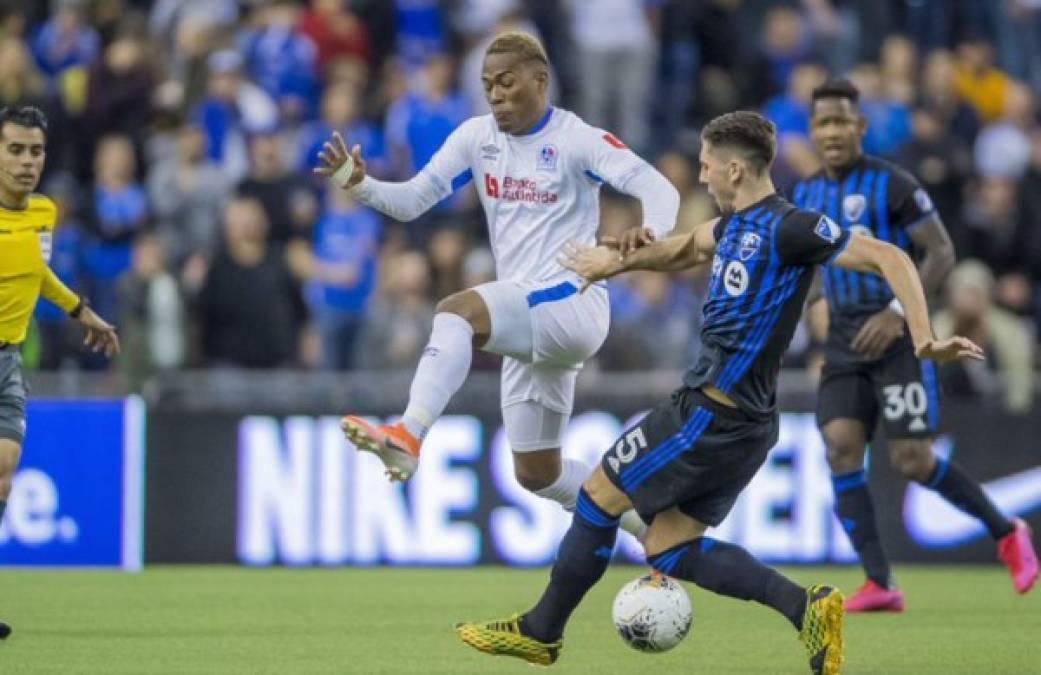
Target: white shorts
<point>544,331</point>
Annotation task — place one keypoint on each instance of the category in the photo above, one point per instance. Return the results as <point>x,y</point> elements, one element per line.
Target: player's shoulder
<point>576,130</point>
<point>898,176</point>
<point>477,127</point>
<point>42,210</point>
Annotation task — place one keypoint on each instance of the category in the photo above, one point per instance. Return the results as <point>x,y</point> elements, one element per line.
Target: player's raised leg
<point>914,459</point>
<point>461,323</point>
<point>537,401</point>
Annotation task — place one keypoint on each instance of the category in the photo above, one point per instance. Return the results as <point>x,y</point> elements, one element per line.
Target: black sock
<point>582,559</point>
<point>731,570</point>
<point>960,489</point>
<point>856,512</point>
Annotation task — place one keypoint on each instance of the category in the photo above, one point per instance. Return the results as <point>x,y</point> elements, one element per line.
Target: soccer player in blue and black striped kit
<point>871,370</point>
<point>683,466</point>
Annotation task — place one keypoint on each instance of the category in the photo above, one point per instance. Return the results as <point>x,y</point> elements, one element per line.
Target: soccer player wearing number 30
<point>26,225</point>
<point>871,370</point>
<point>538,172</point>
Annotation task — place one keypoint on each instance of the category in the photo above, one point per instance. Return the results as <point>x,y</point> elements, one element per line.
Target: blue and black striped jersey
<point>762,270</point>
<point>874,197</point>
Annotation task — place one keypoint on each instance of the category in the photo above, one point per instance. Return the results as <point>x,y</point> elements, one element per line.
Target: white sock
<point>564,491</point>
<point>441,371</point>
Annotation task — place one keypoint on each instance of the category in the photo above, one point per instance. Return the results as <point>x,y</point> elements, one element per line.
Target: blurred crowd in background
<point>183,133</point>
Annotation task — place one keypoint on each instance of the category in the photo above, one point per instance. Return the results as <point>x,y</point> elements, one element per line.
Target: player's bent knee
<point>912,458</point>
<point>845,446</point>
<point>604,493</point>
<point>470,306</point>
<point>671,528</point>
<point>537,470</point>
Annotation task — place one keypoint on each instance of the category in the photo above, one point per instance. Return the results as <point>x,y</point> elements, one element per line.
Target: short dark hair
<point>748,132</point>
<point>24,116</point>
<point>840,88</point>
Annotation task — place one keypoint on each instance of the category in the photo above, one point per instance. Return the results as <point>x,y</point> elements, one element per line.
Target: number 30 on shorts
<point>909,399</point>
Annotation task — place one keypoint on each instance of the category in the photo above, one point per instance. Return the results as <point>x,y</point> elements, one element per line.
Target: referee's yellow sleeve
<point>54,290</point>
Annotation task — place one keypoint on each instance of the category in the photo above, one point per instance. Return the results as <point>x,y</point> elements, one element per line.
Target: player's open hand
<point>592,263</point>
<point>630,240</point>
<point>101,335</point>
<point>950,349</point>
<point>343,167</point>
<point>880,331</point>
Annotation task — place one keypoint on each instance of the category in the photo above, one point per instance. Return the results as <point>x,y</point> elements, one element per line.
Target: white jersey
<point>539,190</point>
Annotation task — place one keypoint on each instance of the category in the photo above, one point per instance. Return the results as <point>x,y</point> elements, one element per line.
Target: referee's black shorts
<point>690,452</point>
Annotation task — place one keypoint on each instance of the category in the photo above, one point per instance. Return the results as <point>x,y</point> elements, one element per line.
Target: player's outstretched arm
<point>594,263</point>
<point>402,201</point>
<point>865,254</point>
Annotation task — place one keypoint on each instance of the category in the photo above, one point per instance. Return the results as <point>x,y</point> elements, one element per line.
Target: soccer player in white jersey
<point>538,170</point>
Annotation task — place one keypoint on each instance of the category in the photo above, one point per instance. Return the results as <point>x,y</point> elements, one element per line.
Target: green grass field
<point>218,620</point>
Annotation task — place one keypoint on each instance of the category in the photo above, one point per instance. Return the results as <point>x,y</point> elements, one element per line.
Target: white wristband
<point>342,176</point>
<point>895,305</point>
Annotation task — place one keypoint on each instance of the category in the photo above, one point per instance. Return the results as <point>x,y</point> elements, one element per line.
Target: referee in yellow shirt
<point>26,228</point>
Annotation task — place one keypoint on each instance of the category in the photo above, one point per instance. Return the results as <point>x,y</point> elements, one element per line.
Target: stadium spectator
<point>1003,146</point>
<point>888,117</point>
<point>939,93</point>
<point>336,32</point>
<point>446,251</point>
<point>249,306</point>
<point>21,81</point>
<point>419,122</point>
<point>281,60</point>
<point>288,198</point>
<point>396,329</point>
<point>421,31</point>
<point>119,92</point>
<point>1007,241</point>
<point>617,56</point>
<point>188,191</point>
<point>152,314</point>
<point>66,41</point>
<point>342,275</point>
<point>115,211</point>
<point>233,107</point>
<point>940,160</point>
<point>1009,370</point>
<point>341,110</point>
<point>784,44</point>
<point>979,82</point>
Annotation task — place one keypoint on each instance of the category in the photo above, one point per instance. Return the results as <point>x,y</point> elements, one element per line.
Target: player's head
<point>516,78</point>
<point>836,125</point>
<point>23,139</point>
<point>737,150</point>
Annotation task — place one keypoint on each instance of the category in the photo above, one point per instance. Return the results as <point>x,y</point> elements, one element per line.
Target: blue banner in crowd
<point>77,494</point>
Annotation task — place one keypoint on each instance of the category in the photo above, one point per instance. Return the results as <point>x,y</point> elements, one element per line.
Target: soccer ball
<point>652,613</point>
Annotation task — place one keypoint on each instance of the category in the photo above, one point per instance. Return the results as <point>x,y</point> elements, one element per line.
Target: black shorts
<point>900,387</point>
<point>689,452</point>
